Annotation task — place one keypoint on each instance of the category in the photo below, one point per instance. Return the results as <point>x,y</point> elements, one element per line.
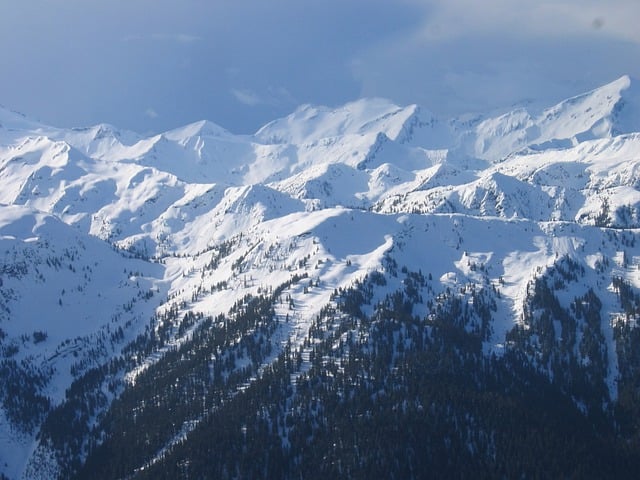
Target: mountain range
<point>203,304</point>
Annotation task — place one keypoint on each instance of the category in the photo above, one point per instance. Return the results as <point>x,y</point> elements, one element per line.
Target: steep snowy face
<point>117,234</point>
<point>310,124</point>
<point>607,111</point>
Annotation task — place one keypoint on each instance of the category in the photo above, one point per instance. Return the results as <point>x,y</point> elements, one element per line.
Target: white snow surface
<point>325,191</point>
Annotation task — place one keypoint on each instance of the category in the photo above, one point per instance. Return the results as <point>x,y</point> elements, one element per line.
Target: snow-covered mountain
<point>118,248</point>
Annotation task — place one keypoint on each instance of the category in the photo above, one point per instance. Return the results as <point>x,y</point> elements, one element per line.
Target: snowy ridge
<point>608,111</point>
<point>112,231</point>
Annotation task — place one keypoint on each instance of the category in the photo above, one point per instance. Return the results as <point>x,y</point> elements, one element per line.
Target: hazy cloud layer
<point>531,18</point>
<point>151,65</point>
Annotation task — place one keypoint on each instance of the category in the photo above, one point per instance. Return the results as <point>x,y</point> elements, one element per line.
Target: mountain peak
<point>202,128</point>
<point>609,110</point>
<point>13,120</point>
<point>309,123</point>
<point>622,83</point>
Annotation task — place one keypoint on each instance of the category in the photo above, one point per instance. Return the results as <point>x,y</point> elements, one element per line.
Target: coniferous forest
<point>373,391</point>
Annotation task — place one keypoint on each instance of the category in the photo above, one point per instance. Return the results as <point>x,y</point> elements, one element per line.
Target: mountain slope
<point>607,111</point>
<point>68,303</point>
<point>198,284</point>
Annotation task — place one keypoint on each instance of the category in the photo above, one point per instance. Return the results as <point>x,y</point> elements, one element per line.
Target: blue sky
<point>151,65</point>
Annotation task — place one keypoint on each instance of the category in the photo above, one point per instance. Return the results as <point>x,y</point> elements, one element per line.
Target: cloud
<point>247,97</point>
<point>274,97</point>
<point>151,113</point>
<point>560,18</point>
